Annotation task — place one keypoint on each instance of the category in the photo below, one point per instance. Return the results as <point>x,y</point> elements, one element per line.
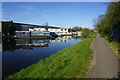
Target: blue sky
<point>63,14</point>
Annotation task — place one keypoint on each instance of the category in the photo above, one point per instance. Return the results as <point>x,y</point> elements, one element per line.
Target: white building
<point>58,31</point>
<point>79,33</point>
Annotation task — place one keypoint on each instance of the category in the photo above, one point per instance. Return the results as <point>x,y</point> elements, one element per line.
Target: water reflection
<point>27,44</point>
<point>21,53</point>
<point>9,44</point>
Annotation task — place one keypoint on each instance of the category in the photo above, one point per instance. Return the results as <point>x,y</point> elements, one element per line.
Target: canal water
<point>21,53</point>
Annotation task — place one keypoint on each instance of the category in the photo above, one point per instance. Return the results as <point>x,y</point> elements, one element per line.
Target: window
<point>61,29</point>
<point>44,33</point>
<point>44,41</point>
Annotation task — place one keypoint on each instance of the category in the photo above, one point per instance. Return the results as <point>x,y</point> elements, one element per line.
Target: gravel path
<point>105,62</point>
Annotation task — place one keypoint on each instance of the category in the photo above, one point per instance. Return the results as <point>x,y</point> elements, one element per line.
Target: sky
<point>61,14</point>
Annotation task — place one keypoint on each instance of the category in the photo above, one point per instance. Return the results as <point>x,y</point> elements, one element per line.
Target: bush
<point>109,39</point>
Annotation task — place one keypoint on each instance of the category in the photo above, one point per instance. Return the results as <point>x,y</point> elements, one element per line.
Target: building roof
<point>25,27</point>
<point>37,26</point>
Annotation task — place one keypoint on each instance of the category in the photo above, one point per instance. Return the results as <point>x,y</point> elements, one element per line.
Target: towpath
<point>105,62</point>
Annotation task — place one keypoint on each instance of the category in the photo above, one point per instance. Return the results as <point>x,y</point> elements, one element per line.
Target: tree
<point>110,23</point>
<point>77,28</point>
<point>8,28</point>
<point>70,29</point>
<point>86,33</point>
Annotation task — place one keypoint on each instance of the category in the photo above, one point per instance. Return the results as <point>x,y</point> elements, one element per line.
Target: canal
<point>21,53</point>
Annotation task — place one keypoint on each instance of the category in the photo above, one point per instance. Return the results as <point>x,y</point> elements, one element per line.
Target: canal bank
<point>71,62</point>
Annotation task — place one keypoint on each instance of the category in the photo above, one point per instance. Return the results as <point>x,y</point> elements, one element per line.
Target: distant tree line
<point>77,28</point>
<point>108,25</point>
<point>85,31</point>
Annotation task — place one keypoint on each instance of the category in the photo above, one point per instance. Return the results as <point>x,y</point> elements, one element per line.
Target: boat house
<point>29,30</point>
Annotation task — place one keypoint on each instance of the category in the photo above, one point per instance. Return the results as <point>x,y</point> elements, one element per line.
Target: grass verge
<point>71,62</point>
<point>114,45</point>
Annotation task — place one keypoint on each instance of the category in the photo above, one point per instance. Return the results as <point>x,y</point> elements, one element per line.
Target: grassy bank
<point>114,45</point>
<point>71,62</point>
